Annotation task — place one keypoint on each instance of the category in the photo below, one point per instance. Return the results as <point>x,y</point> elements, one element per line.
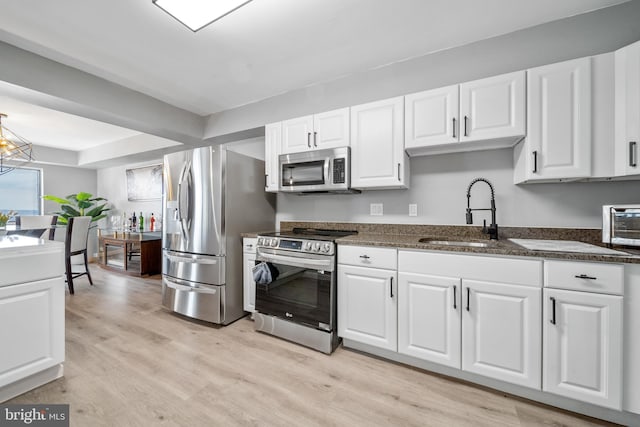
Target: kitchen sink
<point>463,243</point>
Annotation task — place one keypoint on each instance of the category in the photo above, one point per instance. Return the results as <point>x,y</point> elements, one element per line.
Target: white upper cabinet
<point>493,108</point>
<point>627,108</point>
<point>431,117</point>
<point>378,159</point>
<point>319,131</point>
<point>558,143</point>
<point>486,113</point>
<point>273,148</point>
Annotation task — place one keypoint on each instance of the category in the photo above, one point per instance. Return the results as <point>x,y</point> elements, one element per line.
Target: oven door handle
<point>318,264</point>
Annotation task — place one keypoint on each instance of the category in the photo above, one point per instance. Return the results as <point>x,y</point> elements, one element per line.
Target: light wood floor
<point>131,363</point>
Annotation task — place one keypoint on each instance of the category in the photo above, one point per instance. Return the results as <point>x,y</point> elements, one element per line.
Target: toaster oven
<point>621,224</point>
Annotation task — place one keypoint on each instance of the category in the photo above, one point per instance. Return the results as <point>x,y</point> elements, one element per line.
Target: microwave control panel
<point>339,170</point>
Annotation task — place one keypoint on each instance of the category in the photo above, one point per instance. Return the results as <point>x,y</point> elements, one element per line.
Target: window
<point>21,191</point>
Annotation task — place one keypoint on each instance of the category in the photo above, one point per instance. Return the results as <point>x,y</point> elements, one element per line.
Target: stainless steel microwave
<point>316,171</point>
<point>621,224</point>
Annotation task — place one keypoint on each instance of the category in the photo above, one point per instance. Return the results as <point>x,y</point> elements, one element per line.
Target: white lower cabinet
<point>367,295</point>
<point>248,262</point>
<point>501,332</point>
<point>367,309</point>
<point>583,346</point>
<point>429,321</point>
<point>32,332</point>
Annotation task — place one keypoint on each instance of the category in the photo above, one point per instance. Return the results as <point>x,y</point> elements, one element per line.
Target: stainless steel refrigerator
<point>210,196</point>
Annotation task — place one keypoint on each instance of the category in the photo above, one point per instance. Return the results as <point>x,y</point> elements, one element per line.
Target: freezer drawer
<point>203,302</point>
<point>205,269</point>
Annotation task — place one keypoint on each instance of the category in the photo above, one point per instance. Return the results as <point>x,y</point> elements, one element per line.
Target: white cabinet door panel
<point>273,148</point>
<point>367,310</point>
<point>331,129</point>
<point>432,117</point>
<point>583,346</point>
<point>377,145</point>
<point>297,134</point>
<point>501,332</point>
<point>493,108</point>
<point>627,118</point>
<point>32,332</point>
<point>559,119</point>
<point>429,318</point>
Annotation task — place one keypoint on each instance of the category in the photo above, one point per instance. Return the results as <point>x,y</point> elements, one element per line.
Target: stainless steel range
<point>296,286</point>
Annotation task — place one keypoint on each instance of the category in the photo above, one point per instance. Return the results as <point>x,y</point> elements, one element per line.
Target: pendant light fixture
<point>197,14</point>
<point>13,149</point>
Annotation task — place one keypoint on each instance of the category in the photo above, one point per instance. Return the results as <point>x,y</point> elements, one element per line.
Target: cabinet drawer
<point>584,276</point>
<point>368,256</point>
<point>249,245</point>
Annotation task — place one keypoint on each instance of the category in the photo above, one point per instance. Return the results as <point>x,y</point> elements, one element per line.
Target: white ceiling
<point>265,48</point>
<point>50,128</point>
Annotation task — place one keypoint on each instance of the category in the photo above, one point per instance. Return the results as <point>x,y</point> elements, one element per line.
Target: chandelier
<point>13,149</point>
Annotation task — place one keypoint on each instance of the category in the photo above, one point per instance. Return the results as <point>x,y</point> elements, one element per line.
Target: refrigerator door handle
<point>174,285</point>
<point>183,197</point>
<point>192,259</point>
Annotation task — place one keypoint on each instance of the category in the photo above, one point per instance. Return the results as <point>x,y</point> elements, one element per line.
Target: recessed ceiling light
<point>197,14</point>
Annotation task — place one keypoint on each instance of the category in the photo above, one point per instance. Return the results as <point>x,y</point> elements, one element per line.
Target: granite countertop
<point>407,236</point>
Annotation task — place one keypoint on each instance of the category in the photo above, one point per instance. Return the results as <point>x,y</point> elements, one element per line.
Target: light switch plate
<point>413,209</point>
<point>376,209</point>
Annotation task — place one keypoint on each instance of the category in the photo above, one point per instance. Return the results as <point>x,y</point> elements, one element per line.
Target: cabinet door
<point>331,129</point>
<point>431,117</point>
<point>501,332</point>
<point>249,286</point>
<point>273,147</point>
<point>558,140</point>
<point>583,346</point>
<point>367,310</point>
<point>297,135</point>
<point>493,108</point>
<point>429,322</point>
<point>377,145</point>
<point>627,118</point>
<point>32,332</point>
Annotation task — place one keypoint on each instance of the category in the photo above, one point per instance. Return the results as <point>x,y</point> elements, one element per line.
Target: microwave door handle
<point>327,166</point>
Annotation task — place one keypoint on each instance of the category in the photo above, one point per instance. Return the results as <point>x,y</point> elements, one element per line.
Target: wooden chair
<point>38,223</point>
<point>75,244</point>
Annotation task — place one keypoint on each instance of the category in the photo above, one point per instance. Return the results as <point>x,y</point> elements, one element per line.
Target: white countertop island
<point>31,313</point>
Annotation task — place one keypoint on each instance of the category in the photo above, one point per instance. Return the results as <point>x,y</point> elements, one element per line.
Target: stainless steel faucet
<point>492,231</point>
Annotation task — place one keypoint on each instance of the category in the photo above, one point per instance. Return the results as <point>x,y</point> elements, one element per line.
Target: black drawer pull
<point>584,276</point>
<point>364,256</point>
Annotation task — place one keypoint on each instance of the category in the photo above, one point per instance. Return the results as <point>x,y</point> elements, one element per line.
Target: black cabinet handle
<point>364,256</point>
<point>465,126</point>
<point>309,139</point>
<point>315,139</point>
<point>535,161</point>
<point>266,180</point>
<point>468,293</point>
<point>399,172</point>
<point>584,276</point>
<point>553,310</point>
<point>455,306</point>
<point>633,160</point>
<point>454,127</point>
<point>391,287</point>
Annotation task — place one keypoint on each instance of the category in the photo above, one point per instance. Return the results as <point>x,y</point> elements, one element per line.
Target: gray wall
<point>439,185</point>
<point>61,181</point>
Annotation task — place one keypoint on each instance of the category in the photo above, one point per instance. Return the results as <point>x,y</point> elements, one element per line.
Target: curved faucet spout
<point>493,228</point>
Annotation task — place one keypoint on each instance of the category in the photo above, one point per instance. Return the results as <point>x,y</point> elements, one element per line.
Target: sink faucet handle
<point>469,216</point>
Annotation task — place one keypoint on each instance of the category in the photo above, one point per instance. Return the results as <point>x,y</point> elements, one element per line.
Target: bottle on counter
<point>152,222</point>
<point>124,220</point>
<point>141,220</point>
<point>134,221</point>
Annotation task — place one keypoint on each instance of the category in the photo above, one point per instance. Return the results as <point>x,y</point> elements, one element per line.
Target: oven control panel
<point>298,245</point>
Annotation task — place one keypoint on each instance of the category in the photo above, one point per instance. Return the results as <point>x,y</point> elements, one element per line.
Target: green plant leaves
<point>79,204</point>
<point>56,199</point>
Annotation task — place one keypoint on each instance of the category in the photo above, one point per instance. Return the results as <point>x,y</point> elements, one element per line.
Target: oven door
<point>302,290</point>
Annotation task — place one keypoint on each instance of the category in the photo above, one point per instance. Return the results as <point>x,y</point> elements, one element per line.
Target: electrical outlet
<point>413,209</point>
<point>375,209</point>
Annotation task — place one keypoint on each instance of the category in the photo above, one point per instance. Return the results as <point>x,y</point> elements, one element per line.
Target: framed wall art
<point>144,183</point>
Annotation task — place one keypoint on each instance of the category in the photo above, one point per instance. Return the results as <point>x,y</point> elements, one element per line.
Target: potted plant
<point>4,217</point>
<point>81,204</point>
